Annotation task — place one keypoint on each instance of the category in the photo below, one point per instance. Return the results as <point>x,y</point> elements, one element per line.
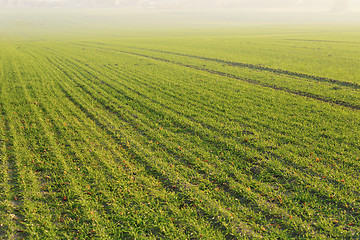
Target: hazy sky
<point>181,4</point>
<point>63,15</point>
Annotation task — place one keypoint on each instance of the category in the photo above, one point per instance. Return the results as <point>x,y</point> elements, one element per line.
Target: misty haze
<point>179,119</point>
<point>181,4</point>
<point>47,14</point>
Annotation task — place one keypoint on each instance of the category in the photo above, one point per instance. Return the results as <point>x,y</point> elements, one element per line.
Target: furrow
<point>168,182</point>
<point>278,157</point>
<point>266,152</point>
<point>92,94</point>
<point>262,68</point>
<point>248,80</point>
<point>251,66</point>
<point>66,167</point>
<point>216,111</point>
<point>84,108</point>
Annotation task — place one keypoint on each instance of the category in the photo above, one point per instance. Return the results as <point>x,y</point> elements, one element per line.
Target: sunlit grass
<point>211,137</point>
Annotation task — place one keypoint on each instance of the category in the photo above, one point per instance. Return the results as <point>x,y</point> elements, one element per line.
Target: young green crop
<point>126,140</point>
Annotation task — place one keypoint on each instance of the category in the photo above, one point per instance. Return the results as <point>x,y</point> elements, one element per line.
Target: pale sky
<point>130,13</point>
<point>181,4</point>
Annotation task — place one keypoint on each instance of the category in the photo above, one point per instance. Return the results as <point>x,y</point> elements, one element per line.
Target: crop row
<point>120,145</point>
<point>319,88</point>
<point>133,98</point>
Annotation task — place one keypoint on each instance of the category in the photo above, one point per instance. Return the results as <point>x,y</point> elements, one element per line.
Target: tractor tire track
<point>255,82</point>
<point>248,80</point>
<point>215,143</point>
<point>262,68</point>
<point>214,180</point>
<point>168,183</point>
<point>248,65</point>
<point>209,108</point>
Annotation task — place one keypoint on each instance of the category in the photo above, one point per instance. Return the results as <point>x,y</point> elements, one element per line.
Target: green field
<point>188,133</point>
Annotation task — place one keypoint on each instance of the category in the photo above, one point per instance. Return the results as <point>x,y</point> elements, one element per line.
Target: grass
<point>240,134</point>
